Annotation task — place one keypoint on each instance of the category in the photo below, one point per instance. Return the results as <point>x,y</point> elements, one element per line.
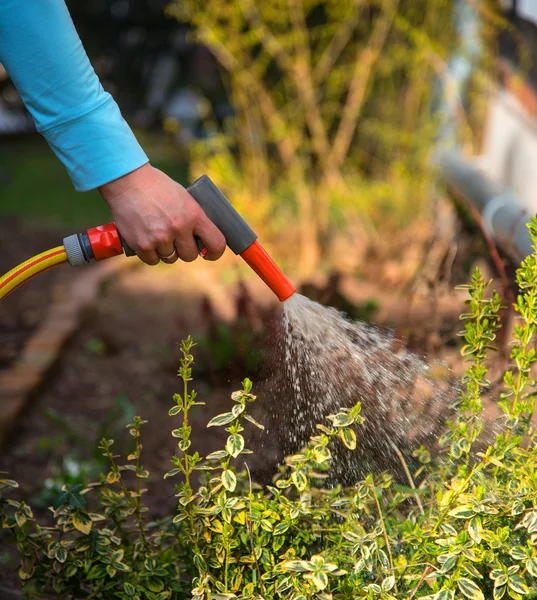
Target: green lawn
<point>35,185</point>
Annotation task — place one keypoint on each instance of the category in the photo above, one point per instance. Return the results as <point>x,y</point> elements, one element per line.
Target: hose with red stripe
<point>29,269</point>
<point>105,241</point>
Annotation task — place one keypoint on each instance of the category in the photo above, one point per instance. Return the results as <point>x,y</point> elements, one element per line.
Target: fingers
<point>211,236</point>
<point>167,253</point>
<point>186,247</point>
<point>150,257</point>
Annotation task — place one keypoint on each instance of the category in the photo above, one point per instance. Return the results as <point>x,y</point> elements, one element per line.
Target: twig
<point>299,72</point>
<point>494,255</point>
<point>250,536</point>
<point>284,143</point>
<point>335,48</point>
<point>365,59</point>
<point>408,475</point>
<point>420,582</point>
<point>6,590</point>
<point>386,538</point>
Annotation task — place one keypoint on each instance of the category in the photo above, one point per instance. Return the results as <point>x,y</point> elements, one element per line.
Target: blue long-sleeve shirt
<point>44,57</point>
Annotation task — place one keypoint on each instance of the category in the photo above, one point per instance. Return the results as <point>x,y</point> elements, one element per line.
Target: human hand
<point>156,216</point>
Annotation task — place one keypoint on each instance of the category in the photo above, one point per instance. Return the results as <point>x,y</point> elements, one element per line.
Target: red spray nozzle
<point>259,260</point>
<point>105,241</point>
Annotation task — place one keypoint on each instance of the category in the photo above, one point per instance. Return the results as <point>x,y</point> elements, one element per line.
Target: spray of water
<point>323,361</point>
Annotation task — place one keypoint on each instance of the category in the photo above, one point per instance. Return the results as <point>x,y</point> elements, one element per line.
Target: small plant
<point>467,528</point>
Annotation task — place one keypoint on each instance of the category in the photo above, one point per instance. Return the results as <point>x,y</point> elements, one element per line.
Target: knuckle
<point>145,246</point>
<point>161,238</point>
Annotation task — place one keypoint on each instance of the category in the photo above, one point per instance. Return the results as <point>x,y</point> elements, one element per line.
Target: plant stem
<point>383,525</point>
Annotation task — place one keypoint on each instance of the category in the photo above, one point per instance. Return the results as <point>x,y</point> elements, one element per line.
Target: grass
<point>35,186</point>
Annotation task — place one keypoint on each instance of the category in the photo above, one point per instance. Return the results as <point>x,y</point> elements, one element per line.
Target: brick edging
<point>44,346</point>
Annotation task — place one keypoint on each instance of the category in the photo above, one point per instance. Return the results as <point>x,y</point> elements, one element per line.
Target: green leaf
<point>531,565</point>
<point>281,528</point>
<point>388,583</point>
<point>184,445</point>
<point>348,437</point>
<point>235,445</point>
<point>20,518</point>
<point>297,566</point>
<point>518,585</point>
<point>464,511</point>
<point>444,595</point>
<point>341,420</point>
<point>450,560</point>
<point>518,553</point>
<point>82,522</point>
<point>216,455</point>
<point>96,572</point>
<point>174,410</point>
<point>129,589</point>
<point>9,483</point>
<point>300,480</point>
<point>470,589</point>
<point>220,420</point>
<point>180,517</point>
<point>229,481</point>
<point>172,473</point>
<point>319,579</point>
<point>155,584</point>
<point>475,528</point>
<point>499,592</point>
<point>61,554</point>
<point>238,409</point>
<point>253,421</point>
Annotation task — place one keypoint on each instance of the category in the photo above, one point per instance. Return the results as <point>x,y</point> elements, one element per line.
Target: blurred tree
<point>333,103</point>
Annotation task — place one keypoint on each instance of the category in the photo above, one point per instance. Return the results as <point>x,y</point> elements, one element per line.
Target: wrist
<point>140,177</point>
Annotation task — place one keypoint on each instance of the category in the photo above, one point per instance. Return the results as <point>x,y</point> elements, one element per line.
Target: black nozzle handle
<point>239,235</point>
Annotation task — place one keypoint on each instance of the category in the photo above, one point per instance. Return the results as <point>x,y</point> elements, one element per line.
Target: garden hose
<point>105,241</point>
<point>29,269</point>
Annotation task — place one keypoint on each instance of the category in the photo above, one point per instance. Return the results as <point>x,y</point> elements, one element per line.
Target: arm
<point>43,54</point>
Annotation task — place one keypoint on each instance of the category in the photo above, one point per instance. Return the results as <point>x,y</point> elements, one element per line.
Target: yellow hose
<point>30,268</point>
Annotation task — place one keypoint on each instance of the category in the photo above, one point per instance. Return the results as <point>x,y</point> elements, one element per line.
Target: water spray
<point>106,241</point>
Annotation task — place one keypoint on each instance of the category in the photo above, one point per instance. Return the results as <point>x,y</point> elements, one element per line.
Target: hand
<point>156,215</point>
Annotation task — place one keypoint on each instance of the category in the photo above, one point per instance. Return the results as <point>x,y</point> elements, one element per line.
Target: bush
<point>466,527</point>
<point>335,112</point>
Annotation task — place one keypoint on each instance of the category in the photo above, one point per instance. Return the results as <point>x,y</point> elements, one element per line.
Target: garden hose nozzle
<point>105,241</point>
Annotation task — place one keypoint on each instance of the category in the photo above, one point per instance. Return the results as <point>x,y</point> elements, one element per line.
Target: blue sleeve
<point>44,57</point>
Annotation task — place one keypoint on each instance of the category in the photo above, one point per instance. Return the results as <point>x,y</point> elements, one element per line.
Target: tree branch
<point>284,143</point>
<point>334,49</point>
<point>298,71</point>
<point>365,59</point>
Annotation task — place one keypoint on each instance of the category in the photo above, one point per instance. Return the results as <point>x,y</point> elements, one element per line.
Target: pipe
<point>503,214</point>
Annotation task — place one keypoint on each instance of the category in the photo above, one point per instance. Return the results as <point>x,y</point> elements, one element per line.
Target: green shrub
<point>465,528</point>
